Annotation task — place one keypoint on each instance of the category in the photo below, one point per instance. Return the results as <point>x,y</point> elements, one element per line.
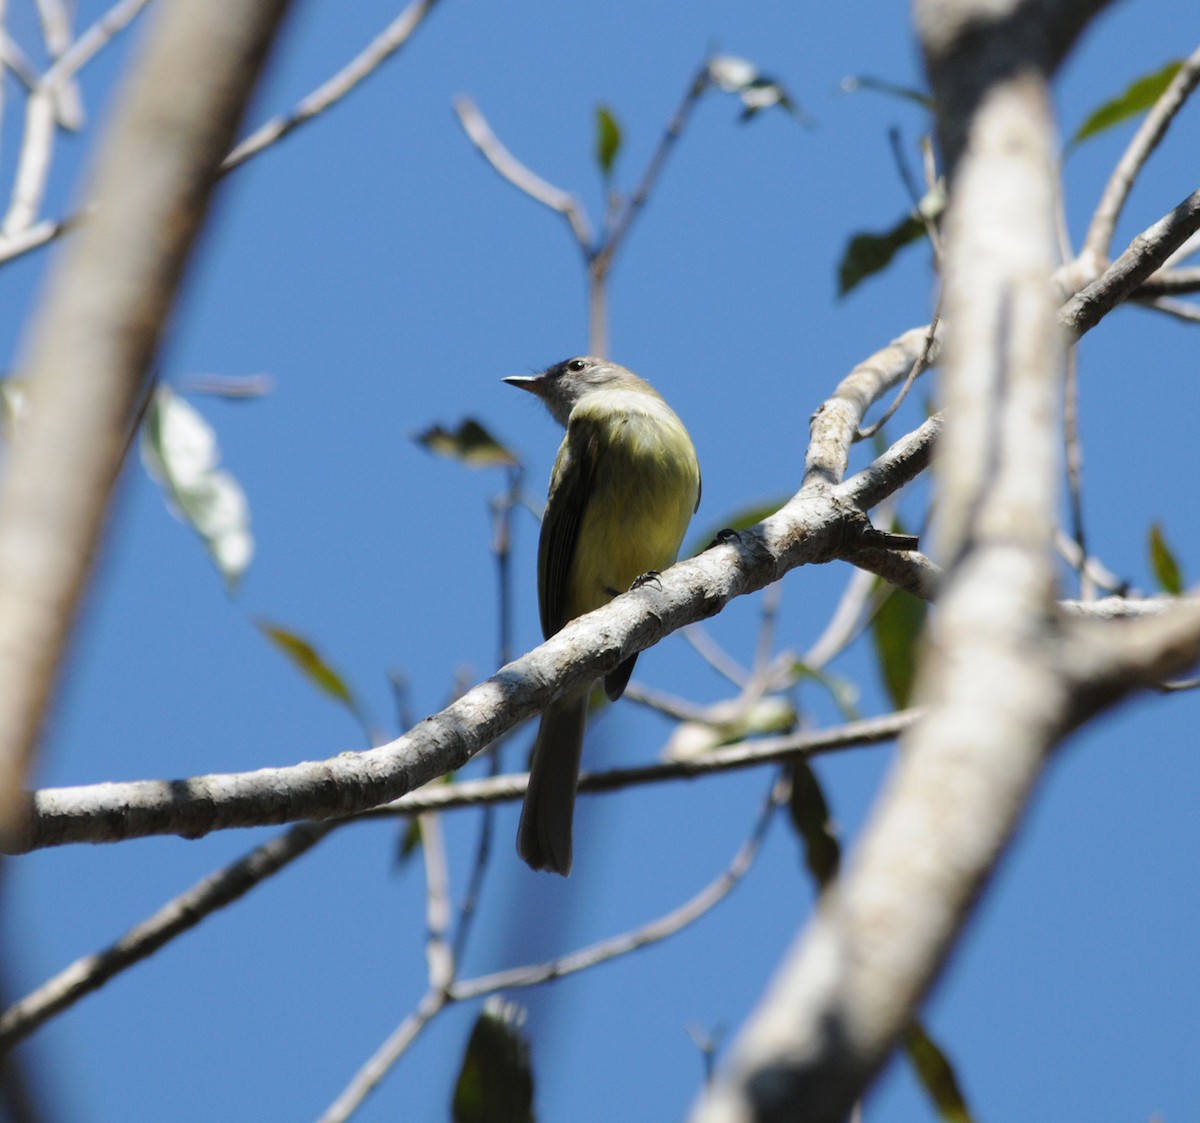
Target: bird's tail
<point>544,836</point>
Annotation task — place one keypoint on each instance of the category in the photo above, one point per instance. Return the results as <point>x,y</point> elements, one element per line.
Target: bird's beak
<point>530,382</point>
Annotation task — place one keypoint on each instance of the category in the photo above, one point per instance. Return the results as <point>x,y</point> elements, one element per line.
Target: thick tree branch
<point>851,985</point>
<point>97,333</point>
<point>812,527</point>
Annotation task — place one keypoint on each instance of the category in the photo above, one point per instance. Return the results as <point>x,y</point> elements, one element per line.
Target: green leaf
<point>410,841</point>
<point>809,812</point>
<point>608,140</point>
<point>495,1084</point>
<point>470,444</point>
<point>896,629</point>
<point>868,253</point>
<point>1136,98</point>
<point>312,665</point>
<point>936,1075</point>
<point>853,83</point>
<point>180,451</point>
<point>1162,559</point>
<point>739,520</point>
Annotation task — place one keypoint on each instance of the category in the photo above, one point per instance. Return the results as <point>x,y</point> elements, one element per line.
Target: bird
<point>623,489</point>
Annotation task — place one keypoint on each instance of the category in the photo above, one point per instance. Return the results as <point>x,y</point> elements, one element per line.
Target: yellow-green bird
<point>624,487</point>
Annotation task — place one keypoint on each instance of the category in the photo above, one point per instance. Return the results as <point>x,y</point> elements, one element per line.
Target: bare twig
<point>1073,454</point>
<point>91,42</point>
<point>33,165</point>
<point>701,642</point>
<point>637,199</point>
<point>845,623</point>
<point>1180,309</point>
<point>225,886</point>
<point>651,933</point>
<point>508,167</point>
<point>677,709</point>
<point>435,1000</point>
<point>377,52</point>
<point>56,31</point>
<point>369,1076</point>
<point>1098,241</point>
<point>834,426</point>
<point>176,917</point>
<point>502,526</point>
<point>1098,573</point>
<point>920,365</point>
<point>1171,282</point>
<point>1145,254</point>
<point>390,40</point>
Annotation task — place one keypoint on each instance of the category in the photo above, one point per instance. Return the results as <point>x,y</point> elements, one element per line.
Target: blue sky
<point>386,279</point>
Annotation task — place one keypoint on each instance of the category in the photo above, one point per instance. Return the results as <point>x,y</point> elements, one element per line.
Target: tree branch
<point>851,985</point>
<point>376,53</point>
<point>1097,243</point>
<point>96,337</point>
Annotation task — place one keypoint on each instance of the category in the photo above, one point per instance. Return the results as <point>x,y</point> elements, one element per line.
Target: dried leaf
<point>470,444</point>
<point>180,451</point>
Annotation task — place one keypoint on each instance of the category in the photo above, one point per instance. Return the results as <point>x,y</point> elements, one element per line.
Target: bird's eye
<point>576,365</point>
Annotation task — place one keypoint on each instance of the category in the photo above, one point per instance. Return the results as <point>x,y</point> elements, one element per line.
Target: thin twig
<point>1098,241</point>
<point>35,236</point>
<point>33,164</point>
<point>121,14</point>
<point>1098,574</point>
<point>677,709</point>
<point>1171,282</point>
<point>624,220</point>
<point>697,636</point>
<point>55,17</point>
<point>768,624</point>
<point>435,1000</point>
<point>91,42</point>
<point>845,623</point>
<point>920,365</point>
<point>508,167</point>
<point>378,51</point>
<point>657,930</point>
<point>438,957</point>
<point>367,1077</point>
<point>1073,454</point>
<point>502,529</point>
<point>180,915</point>
<point>1179,309</point>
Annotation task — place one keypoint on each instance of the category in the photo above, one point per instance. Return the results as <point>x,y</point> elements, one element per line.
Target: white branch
<point>96,335</point>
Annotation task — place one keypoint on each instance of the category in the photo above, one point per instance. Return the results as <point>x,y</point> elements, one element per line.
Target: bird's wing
<point>570,490</point>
